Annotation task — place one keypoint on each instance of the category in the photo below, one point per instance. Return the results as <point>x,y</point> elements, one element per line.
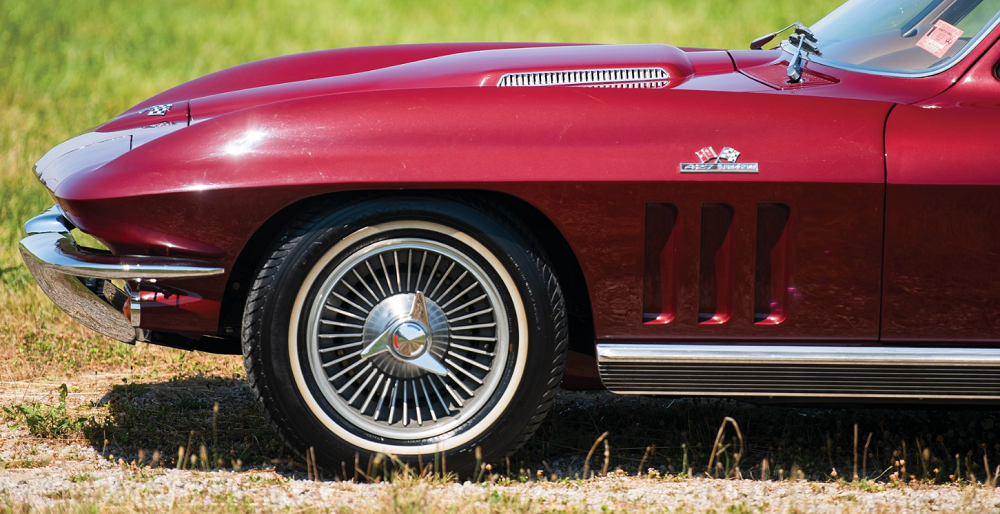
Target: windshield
<point>908,36</point>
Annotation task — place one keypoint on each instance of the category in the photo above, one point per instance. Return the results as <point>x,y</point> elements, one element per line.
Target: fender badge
<point>157,110</point>
<point>712,162</point>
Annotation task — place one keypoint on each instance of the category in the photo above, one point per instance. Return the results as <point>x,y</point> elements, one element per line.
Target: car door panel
<point>942,278</point>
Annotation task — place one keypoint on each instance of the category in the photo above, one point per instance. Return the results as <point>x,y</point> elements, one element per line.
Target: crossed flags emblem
<point>157,110</point>
<point>708,154</point>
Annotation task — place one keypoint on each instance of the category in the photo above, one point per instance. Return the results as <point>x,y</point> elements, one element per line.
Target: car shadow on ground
<point>670,436</point>
<point>202,417</point>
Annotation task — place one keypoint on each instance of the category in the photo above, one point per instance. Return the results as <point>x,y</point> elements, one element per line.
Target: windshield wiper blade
<point>804,40</point>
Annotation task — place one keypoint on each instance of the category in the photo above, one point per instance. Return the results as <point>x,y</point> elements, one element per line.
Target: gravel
<point>67,475</point>
<point>77,477</point>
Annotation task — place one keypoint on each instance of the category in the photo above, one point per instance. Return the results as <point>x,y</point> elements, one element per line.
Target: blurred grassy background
<point>69,65</point>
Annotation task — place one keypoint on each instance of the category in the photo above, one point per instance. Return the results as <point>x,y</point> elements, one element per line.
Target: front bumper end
<point>79,280</point>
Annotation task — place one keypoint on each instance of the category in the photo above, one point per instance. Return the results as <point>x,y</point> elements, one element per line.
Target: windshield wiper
<point>804,40</point>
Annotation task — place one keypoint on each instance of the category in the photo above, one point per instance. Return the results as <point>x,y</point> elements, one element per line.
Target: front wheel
<point>405,326</point>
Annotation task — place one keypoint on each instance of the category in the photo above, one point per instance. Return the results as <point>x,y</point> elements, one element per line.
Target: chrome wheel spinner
<point>409,339</point>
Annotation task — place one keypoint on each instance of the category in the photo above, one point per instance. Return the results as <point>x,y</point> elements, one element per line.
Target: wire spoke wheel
<point>413,327</point>
<point>372,293</point>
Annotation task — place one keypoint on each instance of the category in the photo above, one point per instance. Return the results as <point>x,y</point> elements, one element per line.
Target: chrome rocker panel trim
<point>848,372</point>
<point>61,268</point>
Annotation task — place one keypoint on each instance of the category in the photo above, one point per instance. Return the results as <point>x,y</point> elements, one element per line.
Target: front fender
<point>562,150</point>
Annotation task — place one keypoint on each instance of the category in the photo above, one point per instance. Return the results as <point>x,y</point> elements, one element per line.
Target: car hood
<point>650,65</point>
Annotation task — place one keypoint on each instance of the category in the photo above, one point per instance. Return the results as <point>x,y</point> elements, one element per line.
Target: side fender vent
<point>618,77</point>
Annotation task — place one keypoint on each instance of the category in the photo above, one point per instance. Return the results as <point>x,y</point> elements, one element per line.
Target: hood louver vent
<point>618,77</point>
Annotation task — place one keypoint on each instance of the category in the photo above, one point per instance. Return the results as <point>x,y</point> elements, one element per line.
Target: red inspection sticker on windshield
<point>940,38</point>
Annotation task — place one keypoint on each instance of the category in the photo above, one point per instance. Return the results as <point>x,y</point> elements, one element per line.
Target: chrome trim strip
<point>806,355</point>
<point>966,50</point>
<point>770,371</point>
<point>785,394</point>
<point>52,220</point>
<point>59,252</point>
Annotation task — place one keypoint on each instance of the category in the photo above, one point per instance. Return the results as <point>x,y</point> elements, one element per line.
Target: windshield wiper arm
<point>805,40</point>
<point>759,43</point>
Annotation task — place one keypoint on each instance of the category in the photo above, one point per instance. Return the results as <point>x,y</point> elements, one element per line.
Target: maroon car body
<point>453,129</point>
<point>871,222</point>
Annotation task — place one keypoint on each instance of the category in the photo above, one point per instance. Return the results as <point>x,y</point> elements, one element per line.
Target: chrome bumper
<point>78,279</point>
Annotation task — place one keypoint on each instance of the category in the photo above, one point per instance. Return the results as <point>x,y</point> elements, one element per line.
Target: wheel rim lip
<point>460,415</point>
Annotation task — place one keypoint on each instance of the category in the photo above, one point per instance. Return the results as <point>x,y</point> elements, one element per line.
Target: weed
<point>81,477</point>
<point>743,508</point>
<point>47,421</point>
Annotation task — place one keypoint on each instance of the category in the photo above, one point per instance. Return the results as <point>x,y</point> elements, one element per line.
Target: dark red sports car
<point>406,242</point>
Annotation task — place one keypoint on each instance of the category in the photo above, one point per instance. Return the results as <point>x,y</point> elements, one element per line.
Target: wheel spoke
<point>374,389</point>
<point>392,402</point>
<point>346,370</point>
<point>460,383</point>
<point>470,361</point>
<point>406,406</point>
<point>466,304</point>
<point>341,324</point>
<point>473,350</point>
<point>381,399</point>
<point>345,313</point>
<point>473,327</point>
<point>420,271</point>
<point>451,392</point>
<point>452,286</point>
<point>375,296</point>
<point>409,267</point>
<point>395,259</point>
<point>474,338</point>
<point>471,315</point>
<point>430,403</point>
<point>342,359</point>
<point>348,302</point>
<point>385,271</point>
<point>459,295</point>
<point>338,348</point>
<point>416,404</point>
<point>464,371</point>
<point>340,336</point>
<point>375,280</point>
<point>354,379</point>
<point>441,281</point>
<point>431,275</point>
<point>361,388</point>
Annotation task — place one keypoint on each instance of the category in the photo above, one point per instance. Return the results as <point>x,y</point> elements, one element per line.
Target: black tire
<point>294,309</point>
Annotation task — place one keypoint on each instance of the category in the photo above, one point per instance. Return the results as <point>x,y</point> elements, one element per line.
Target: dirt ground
<point>107,461</point>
